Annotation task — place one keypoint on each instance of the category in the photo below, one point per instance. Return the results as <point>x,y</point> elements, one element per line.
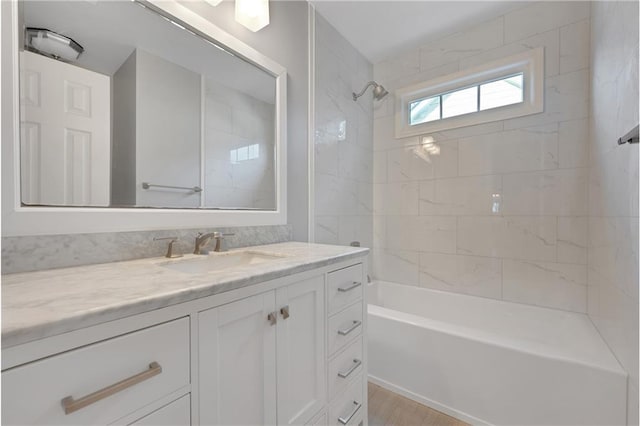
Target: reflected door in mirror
<point>65,133</point>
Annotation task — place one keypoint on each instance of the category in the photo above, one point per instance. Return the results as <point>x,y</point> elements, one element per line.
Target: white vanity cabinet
<point>261,359</point>
<point>285,351</point>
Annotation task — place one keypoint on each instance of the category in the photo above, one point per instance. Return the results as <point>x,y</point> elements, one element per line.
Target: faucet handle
<point>169,254</point>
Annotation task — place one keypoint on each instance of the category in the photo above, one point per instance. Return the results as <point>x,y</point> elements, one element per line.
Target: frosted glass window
<point>507,91</point>
<point>424,110</point>
<point>460,102</point>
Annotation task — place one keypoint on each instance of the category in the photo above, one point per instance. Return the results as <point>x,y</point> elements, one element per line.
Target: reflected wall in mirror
<point>149,115</point>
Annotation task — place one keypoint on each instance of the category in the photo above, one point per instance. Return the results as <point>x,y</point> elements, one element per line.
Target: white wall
<point>613,185</point>
<point>123,148</point>
<point>343,157</point>
<point>434,224</point>
<point>168,137</point>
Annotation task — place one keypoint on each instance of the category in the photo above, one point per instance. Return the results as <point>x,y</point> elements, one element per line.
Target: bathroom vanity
<point>265,335</point>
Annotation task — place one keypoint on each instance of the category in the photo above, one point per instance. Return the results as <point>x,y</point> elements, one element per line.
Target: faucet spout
<point>201,241</point>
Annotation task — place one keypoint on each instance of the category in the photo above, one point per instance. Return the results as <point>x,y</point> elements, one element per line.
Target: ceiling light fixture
<point>54,45</point>
<point>214,2</point>
<point>253,14</point>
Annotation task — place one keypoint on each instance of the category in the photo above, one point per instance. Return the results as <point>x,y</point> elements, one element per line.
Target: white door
<point>301,351</point>
<point>65,143</point>
<point>237,363</point>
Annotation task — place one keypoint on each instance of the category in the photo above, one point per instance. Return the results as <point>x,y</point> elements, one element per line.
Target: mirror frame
<point>20,220</point>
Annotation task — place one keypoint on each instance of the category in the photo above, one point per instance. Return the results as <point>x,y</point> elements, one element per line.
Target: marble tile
<point>549,193</point>
<point>478,276</point>
<point>380,167</point>
<point>613,251</point>
<point>566,98</point>
<point>573,140</point>
<point>417,163</point>
<point>379,231</point>
<point>463,44</point>
<point>519,24</point>
<point>519,237</point>
<point>613,183</point>
<point>384,135</point>
<point>395,82</point>
<point>400,66</point>
<point>477,195</point>
<point>396,266</point>
<point>532,148</point>
<point>326,229</point>
<point>396,198</point>
<point>550,40</point>
<point>422,233</point>
<point>34,253</point>
<point>574,46</point>
<point>552,285</point>
<point>572,240</point>
<point>355,228</point>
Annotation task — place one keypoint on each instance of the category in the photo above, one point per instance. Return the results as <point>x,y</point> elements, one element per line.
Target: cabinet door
<point>237,364</point>
<point>177,413</point>
<point>301,351</point>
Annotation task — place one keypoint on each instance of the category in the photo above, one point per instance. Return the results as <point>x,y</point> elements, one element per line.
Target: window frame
<point>529,63</point>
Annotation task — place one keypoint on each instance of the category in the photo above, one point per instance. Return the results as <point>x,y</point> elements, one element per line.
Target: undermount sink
<point>220,261</point>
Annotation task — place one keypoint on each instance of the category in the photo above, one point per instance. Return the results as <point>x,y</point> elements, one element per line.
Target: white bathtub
<point>491,362</point>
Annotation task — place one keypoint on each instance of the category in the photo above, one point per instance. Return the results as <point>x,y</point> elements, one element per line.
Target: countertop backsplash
<point>38,252</point>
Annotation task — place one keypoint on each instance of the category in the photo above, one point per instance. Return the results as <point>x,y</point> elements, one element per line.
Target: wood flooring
<point>388,408</point>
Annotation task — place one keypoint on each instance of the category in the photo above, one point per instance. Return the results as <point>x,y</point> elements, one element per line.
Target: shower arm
<point>369,84</point>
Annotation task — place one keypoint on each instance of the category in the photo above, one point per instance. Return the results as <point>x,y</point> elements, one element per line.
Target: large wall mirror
<point>163,120</point>
<point>123,105</point>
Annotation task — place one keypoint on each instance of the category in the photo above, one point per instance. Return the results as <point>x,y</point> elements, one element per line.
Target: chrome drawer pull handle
<point>70,405</point>
<point>350,286</point>
<point>272,318</point>
<point>346,420</point>
<point>284,311</point>
<point>356,364</point>
<point>355,325</point>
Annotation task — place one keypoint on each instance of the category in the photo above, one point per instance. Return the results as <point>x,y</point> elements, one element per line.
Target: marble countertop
<point>45,303</point>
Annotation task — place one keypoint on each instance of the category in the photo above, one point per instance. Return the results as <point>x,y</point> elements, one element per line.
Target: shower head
<point>379,92</point>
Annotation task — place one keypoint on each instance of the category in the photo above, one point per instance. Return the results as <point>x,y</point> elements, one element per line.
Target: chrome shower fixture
<point>379,92</point>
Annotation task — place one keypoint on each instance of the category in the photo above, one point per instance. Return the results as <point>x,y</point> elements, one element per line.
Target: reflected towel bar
<point>631,137</point>
<point>147,185</point>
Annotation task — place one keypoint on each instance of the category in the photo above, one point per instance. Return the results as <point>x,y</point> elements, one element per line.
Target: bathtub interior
<point>543,331</point>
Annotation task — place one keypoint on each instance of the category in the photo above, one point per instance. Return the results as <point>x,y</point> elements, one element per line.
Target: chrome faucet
<point>203,239</point>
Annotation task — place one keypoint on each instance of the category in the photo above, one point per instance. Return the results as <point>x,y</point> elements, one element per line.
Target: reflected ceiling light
<point>52,44</point>
<point>213,2</point>
<point>253,14</point>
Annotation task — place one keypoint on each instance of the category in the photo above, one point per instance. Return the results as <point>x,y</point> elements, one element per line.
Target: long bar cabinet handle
<point>70,405</point>
<point>345,420</point>
<point>350,286</point>
<point>345,374</point>
<point>355,325</point>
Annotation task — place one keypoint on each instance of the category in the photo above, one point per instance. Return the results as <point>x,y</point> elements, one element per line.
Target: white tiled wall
<point>343,162</point>
<point>613,186</point>
<point>235,120</point>
<point>501,212</point>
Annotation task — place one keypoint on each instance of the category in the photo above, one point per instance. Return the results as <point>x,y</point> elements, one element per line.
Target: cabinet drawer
<point>175,413</point>
<point>348,408</point>
<point>345,287</point>
<point>156,360</point>
<point>344,367</point>
<point>344,326</point>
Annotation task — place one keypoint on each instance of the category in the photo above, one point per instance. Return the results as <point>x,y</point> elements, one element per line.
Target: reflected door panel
<point>66,135</point>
